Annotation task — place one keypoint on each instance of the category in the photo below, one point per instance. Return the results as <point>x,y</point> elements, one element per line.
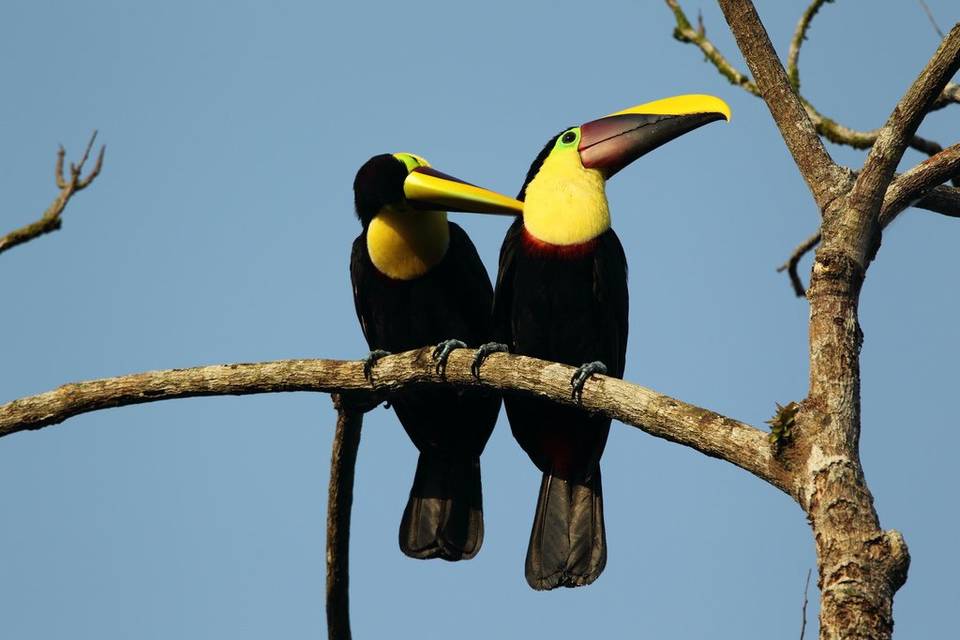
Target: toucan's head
<point>405,183</point>
<point>564,194</point>
<point>614,141</point>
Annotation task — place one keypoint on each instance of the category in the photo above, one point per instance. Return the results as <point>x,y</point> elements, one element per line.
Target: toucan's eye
<point>568,137</point>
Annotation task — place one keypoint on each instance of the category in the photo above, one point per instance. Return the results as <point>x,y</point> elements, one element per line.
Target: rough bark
<point>860,566</point>
<point>659,415</point>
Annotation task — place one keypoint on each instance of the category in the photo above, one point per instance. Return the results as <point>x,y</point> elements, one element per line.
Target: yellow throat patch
<point>566,204</point>
<point>406,244</point>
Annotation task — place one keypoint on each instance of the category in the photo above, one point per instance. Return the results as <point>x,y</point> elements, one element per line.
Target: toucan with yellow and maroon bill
<point>417,281</point>
<point>561,295</point>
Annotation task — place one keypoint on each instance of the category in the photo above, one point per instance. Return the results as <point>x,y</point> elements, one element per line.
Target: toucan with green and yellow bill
<point>417,281</point>
<point>561,295</point>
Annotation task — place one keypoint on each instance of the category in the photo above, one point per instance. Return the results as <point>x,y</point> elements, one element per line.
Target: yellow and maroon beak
<point>426,188</point>
<point>614,141</point>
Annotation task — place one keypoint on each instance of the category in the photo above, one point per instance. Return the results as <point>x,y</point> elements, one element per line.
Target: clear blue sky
<point>220,232</point>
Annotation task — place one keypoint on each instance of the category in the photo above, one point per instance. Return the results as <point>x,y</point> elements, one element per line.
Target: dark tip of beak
<point>609,144</point>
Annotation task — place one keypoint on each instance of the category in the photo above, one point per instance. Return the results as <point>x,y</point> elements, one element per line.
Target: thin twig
<point>825,126</point>
<point>51,220</point>
<point>791,264</point>
<point>799,35</point>
<point>919,187</point>
<point>806,587</point>
<point>343,460</point>
<point>933,21</point>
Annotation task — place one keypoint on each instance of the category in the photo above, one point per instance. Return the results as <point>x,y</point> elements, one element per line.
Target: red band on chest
<point>535,246</point>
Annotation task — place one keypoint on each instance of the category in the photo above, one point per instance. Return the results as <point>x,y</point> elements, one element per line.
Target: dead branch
<point>878,170</point>
<point>827,127</point>
<point>343,460</point>
<point>659,415</point>
<point>50,220</point>
<point>791,264</point>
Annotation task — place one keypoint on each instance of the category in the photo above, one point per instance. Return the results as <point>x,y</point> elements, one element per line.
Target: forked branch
<point>51,220</point>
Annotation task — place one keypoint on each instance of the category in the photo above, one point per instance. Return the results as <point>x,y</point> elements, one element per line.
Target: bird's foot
<point>482,353</point>
<point>582,374</point>
<point>371,360</point>
<point>442,352</point>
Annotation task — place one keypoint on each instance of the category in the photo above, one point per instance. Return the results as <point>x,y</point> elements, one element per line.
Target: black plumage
<point>443,517</point>
<point>567,304</point>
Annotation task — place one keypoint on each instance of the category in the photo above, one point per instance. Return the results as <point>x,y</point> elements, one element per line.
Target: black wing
<point>610,291</point>
<point>359,267</point>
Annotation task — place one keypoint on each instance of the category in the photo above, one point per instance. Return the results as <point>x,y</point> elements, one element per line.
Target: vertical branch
<point>815,164</point>
<point>343,459</point>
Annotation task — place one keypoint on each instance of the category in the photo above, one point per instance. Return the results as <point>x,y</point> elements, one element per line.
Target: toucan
<point>418,281</point>
<point>561,295</point>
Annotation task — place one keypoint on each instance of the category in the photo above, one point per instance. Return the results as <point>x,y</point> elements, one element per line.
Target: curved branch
<point>684,32</point>
<point>825,126</point>
<point>50,220</point>
<point>343,460</point>
<point>791,264</point>
<point>903,192</point>
<point>799,35</point>
<point>659,415</point>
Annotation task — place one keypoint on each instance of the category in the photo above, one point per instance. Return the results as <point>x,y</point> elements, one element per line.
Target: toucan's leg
<point>442,352</point>
<point>482,353</point>
<point>371,360</point>
<point>581,375</point>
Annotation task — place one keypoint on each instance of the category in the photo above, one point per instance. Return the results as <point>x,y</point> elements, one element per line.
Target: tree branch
<point>941,199</point>
<point>949,95</point>
<point>791,264</point>
<point>825,126</point>
<point>343,460</point>
<point>878,170</point>
<point>684,32</point>
<point>50,220</point>
<point>799,35</point>
<point>808,152</point>
<point>913,185</point>
<point>659,415</point>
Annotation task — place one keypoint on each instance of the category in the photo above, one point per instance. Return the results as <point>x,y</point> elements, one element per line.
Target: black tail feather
<point>444,515</point>
<point>568,546</point>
